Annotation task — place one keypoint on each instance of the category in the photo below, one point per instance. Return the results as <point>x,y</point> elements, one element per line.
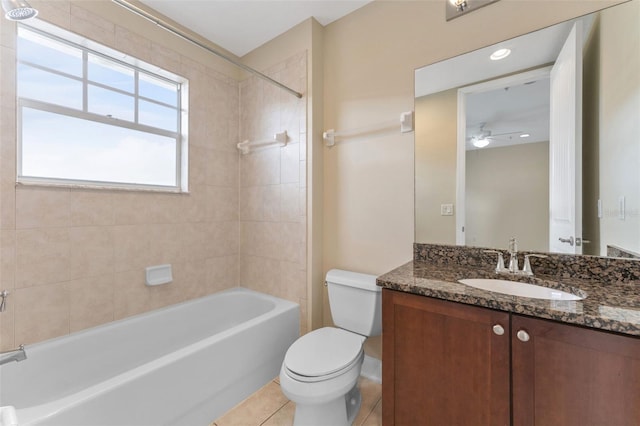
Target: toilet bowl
<point>321,369</point>
<point>320,374</point>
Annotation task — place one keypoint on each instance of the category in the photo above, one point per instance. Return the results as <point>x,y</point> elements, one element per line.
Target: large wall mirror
<point>542,144</point>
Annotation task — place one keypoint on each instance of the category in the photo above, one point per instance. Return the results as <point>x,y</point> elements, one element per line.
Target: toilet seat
<point>323,354</point>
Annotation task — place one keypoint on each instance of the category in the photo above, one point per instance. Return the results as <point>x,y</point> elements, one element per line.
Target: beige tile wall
<point>75,258</point>
<point>273,186</point>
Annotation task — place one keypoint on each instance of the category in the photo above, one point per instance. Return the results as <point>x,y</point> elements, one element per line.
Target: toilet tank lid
<point>353,279</point>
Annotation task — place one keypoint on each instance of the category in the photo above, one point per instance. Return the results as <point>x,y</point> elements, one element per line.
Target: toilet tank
<point>355,301</point>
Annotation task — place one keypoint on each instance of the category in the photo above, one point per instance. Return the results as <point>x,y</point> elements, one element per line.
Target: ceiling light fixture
<point>525,135</point>
<point>18,10</point>
<point>456,8</point>
<point>460,5</point>
<point>480,143</point>
<point>500,54</point>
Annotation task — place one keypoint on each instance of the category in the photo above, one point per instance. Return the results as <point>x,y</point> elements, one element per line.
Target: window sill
<point>101,187</point>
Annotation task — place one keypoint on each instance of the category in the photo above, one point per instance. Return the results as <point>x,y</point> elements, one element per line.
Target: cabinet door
<point>568,375</point>
<point>443,363</point>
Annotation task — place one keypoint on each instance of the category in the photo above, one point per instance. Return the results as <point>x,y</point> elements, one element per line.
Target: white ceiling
<point>528,51</point>
<point>243,25</point>
<point>509,112</point>
<point>522,108</point>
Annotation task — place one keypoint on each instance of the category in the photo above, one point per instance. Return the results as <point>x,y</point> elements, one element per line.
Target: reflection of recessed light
<point>525,135</point>
<point>500,54</point>
<point>480,143</point>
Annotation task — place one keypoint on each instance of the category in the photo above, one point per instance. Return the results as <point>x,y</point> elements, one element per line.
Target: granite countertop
<point>612,306</point>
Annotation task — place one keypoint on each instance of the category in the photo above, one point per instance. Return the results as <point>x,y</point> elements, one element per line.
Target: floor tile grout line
<point>274,413</point>
<point>371,411</point>
<point>265,421</point>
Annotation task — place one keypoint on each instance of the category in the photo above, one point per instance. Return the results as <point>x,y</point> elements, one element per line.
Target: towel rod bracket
<point>329,137</point>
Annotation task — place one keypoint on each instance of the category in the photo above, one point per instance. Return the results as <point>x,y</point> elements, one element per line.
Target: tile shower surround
<point>273,186</point>
<point>75,258</point>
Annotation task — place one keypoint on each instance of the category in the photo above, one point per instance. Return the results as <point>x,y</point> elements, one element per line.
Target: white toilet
<point>321,369</point>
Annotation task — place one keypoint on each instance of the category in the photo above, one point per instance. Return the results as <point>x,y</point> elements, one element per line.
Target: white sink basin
<point>515,288</point>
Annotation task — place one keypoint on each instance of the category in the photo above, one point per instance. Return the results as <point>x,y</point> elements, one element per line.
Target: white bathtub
<point>182,365</point>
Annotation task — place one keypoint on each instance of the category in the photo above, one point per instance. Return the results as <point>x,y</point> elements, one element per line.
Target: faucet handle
<point>526,269</point>
<point>3,302</point>
<point>500,266</point>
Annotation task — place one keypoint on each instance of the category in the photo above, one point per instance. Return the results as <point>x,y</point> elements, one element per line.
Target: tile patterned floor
<point>269,407</point>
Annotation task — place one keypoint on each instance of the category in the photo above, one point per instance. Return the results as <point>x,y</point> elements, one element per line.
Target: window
<point>87,118</point>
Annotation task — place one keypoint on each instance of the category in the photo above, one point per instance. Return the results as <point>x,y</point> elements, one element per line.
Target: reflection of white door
<point>462,235</point>
<point>565,147</point>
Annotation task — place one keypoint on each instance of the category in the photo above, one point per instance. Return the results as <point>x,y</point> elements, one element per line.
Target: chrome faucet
<point>513,256</point>
<point>3,302</point>
<point>513,268</point>
<point>500,266</point>
<point>526,268</point>
<point>13,355</point>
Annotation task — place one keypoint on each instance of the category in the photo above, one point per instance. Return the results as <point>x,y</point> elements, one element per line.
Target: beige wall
<point>491,173</point>
<point>273,185</point>
<point>75,258</point>
<point>370,57</point>
<point>620,126</point>
<point>507,195</point>
<point>435,166</point>
<point>306,37</point>
<point>51,239</point>
<point>611,117</point>
<point>591,140</point>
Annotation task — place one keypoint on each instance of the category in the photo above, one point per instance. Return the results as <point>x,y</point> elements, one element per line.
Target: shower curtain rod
<point>176,32</point>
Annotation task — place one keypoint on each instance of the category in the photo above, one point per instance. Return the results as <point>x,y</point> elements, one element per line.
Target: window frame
<point>87,48</point>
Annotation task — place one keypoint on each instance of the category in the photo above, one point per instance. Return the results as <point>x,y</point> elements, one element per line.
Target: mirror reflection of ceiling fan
<point>484,136</point>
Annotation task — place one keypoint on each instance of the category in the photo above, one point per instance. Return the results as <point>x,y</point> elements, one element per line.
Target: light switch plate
<point>446,209</point>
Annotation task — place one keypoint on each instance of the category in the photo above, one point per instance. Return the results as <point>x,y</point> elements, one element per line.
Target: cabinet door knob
<point>498,329</point>
<point>523,336</point>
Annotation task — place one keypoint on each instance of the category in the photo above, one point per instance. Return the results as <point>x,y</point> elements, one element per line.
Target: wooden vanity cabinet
<point>568,375</point>
<point>442,363</point>
<point>446,363</point>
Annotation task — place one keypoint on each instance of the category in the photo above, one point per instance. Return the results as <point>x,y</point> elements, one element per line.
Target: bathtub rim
<point>77,334</point>
<point>41,412</point>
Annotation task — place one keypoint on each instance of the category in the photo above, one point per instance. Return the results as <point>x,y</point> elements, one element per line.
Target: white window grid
<point>85,114</point>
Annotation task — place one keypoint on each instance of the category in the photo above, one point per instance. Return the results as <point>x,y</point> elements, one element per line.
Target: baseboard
<point>372,369</point>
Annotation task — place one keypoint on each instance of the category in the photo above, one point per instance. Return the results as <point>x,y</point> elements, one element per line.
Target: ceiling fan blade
<point>505,134</point>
